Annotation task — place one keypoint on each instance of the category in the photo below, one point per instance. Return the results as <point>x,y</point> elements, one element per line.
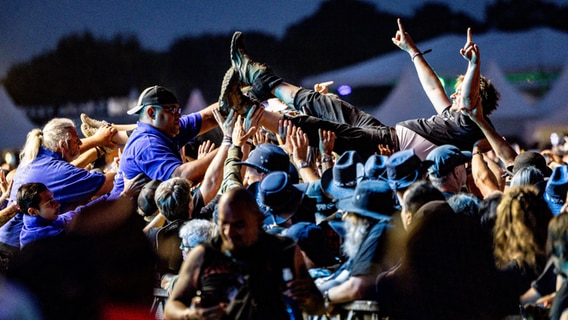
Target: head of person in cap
<point>376,167</point>
<point>339,182</point>
<point>527,159</point>
<point>154,147</point>
<point>159,107</point>
<point>367,224</point>
<point>448,172</point>
<point>556,190</point>
<point>265,158</point>
<point>313,244</point>
<point>404,168</point>
<point>278,199</point>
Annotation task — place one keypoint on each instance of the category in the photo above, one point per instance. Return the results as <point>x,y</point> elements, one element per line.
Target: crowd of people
<point>299,212</point>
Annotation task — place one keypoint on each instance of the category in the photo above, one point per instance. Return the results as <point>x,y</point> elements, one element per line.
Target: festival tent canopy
<point>539,49</point>
<point>554,111</point>
<point>407,100</point>
<point>14,124</point>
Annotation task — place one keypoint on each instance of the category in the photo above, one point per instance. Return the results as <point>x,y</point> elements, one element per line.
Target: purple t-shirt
<point>151,152</point>
<point>71,186</point>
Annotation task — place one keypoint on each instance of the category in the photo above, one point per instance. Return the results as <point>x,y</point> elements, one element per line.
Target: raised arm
<point>470,103</point>
<point>428,78</point>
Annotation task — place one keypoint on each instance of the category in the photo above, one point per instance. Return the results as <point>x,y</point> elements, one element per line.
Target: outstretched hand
<point>323,87</point>
<point>470,50</point>
<point>132,187</point>
<point>403,40</point>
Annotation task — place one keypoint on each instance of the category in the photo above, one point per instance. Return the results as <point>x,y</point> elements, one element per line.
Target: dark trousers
<point>354,129</point>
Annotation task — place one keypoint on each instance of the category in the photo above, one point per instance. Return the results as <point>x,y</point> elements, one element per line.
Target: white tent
<point>554,111</point>
<point>514,112</point>
<point>14,124</point>
<point>195,102</point>
<point>539,49</point>
<point>408,101</point>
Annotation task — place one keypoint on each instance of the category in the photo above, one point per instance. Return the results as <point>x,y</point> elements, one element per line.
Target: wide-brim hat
<point>376,166</point>
<point>318,201</point>
<point>155,95</point>
<point>527,159</point>
<point>445,158</point>
<point>556,189</point>
<point>311,239</point>
<point>340,180</point>
<point>404,168</point>
<point>267,157</point>
<point>372,198</point>
<point>277,197</point>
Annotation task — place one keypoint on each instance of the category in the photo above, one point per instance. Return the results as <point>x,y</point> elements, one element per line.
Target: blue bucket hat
<point>556,189</point>
<point>372,198</point>
<point>445,158</point>
<point>375,167</point>
<point>404,168</point>
<point>341,180</point>
<point>277,197</point>
<point>267,157</point>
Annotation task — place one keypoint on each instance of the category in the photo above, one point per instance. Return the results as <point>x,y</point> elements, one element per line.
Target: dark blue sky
<point>28,27</point>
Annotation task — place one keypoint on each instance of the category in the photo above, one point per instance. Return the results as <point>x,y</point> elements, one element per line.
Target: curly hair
<point>488,93</point>
<point>521,229</point>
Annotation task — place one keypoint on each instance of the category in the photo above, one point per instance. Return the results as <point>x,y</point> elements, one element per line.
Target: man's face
<point>73,148</point>
<point>456,96</point>
<point>461,174</point>
<point>48,206</point>
<point>239,226</point>
<point>166,118</point>
<point>251,176</point>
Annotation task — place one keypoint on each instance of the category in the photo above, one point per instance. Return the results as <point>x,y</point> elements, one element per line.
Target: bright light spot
<point>344,90</point>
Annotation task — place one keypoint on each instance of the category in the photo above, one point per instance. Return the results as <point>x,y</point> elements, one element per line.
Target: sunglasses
<point>174,110</point>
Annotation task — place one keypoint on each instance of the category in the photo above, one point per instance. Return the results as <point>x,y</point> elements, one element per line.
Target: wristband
<point>227,141</point>
<point>420,54</point>
<point>99,152</point>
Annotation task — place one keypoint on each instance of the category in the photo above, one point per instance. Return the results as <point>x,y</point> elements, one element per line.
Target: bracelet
<point>99,153</point>
<point>420,54</point>
<point>227,141</point>
<point>249,141</point>
<point>476,153</point>
<point>327,159</point>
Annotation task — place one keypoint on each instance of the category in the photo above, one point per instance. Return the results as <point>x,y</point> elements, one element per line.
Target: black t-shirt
<point>369,257</point>
<point>448,127</point>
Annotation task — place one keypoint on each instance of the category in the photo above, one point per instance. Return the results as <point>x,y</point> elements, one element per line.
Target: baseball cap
<point>155,95</point>
<point>446,158</point>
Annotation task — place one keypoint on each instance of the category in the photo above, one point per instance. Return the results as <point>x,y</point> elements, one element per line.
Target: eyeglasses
<point>174,110</point>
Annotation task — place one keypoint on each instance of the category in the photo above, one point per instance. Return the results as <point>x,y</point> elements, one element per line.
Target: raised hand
<point>326,142</point>
<point>204,148</point>
<point>403,40</point>
<point>322,87</point>
<point>470,50</point>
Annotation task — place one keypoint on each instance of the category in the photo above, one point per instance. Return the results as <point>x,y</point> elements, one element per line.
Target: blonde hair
<point>521,229</point>
<point>56,130</point>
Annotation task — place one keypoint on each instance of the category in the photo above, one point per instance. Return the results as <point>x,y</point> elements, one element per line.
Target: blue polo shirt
<point>151,152</point>
<point>36,227</point>
<point>71,186</point>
